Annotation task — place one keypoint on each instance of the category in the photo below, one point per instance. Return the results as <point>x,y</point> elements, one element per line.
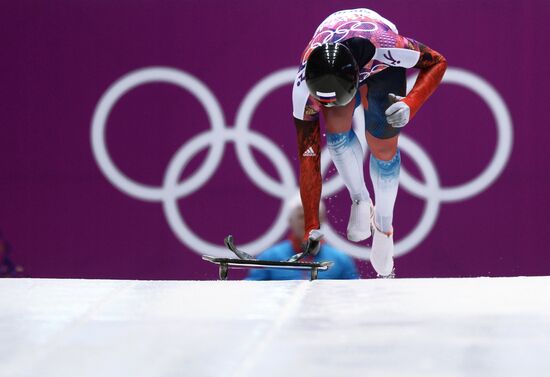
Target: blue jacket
<point>343,268</point>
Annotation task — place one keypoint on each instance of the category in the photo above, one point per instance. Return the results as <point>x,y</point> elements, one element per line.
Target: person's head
<point>296,219</point>
<point>332,74</point>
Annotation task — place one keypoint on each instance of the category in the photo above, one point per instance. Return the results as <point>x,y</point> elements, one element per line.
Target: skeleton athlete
<point>357,58</point>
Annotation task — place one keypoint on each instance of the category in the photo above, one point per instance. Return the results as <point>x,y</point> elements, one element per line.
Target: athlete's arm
<point>432,66</point>
<point>309,154</point>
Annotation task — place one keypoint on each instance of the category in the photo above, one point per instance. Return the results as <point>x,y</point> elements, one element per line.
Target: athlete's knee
<point>383,148</point>
<point>338,143</point>
<point>386,169</point>
<point>384,152</point>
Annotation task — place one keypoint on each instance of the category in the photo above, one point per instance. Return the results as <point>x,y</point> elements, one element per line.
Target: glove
<point>310,247</point>
<point>398,114</point>
<point>313,243</point>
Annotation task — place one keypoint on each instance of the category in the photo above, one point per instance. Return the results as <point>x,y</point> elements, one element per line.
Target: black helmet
<point>332,74</point>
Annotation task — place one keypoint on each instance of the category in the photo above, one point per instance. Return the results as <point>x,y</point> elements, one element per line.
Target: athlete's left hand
<point>398,114</point>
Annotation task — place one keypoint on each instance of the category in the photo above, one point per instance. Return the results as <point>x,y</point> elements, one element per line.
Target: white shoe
<point>381,256</point>
<point>360,220</point>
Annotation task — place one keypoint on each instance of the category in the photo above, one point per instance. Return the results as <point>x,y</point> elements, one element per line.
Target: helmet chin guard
<point>332,74</point>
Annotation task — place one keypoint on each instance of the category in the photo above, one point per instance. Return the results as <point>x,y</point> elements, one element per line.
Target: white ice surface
<point>402,327</point>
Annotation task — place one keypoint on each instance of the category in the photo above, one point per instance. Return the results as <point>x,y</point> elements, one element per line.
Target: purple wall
<point>65,218</point>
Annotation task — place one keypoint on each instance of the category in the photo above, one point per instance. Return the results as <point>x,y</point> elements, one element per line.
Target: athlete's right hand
<point>313,242</point>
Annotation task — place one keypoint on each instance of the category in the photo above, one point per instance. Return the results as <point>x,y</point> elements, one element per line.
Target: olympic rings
<point>219,134</point>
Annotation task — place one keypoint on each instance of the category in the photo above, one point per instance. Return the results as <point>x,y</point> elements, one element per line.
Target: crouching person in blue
<point>343,268</point>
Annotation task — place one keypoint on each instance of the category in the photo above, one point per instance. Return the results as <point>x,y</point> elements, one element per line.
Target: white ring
<point>504,141</point>
<point>123,86</point>
<point>170,205</point>
<point>242,126</point>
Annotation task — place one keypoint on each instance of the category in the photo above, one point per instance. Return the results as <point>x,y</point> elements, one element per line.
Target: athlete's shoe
<point>360,220</point>
<point>390,276</point>
<point>381,256</point>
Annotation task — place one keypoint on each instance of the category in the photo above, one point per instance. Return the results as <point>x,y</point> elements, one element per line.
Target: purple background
<point>65,219</point>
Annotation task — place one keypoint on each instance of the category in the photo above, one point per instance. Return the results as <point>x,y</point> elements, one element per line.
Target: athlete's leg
<point>385,160</point>
<point>347,154</point>
<point>345,150</point>
<point>385,164</point>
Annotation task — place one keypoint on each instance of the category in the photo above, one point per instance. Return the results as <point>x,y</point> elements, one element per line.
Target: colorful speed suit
<point>381,74</point>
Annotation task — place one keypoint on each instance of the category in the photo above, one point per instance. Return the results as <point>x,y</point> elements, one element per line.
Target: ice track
<point>403,327</point>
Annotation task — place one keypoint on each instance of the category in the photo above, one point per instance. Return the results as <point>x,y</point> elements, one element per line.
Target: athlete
<point>357,58</point>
